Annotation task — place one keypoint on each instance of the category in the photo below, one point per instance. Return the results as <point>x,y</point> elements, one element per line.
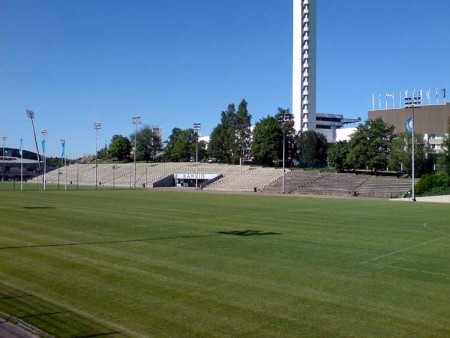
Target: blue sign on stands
<point>409,125</point>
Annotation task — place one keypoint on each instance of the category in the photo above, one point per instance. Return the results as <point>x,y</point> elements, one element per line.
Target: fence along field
<point>154,263</point>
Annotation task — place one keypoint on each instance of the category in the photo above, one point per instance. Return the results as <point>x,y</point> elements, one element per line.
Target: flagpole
<point>21,166</point>
<point>65,163</point>
<point>21,172</point>
<point>44,133</point>
<point>64,159</point>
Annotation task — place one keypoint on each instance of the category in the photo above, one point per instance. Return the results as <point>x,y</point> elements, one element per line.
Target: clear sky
<point>175,62</point>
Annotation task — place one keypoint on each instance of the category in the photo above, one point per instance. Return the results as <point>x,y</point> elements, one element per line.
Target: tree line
<point>232,141</point>
<point>373,146</point>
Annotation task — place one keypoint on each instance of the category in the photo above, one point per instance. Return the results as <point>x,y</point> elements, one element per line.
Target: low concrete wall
<point>168,181</point>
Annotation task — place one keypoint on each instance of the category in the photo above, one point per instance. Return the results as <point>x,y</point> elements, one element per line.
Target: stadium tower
<point>304,65</point>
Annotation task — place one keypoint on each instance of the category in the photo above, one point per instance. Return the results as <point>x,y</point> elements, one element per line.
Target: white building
<point>304,75</point>
<point>304,65</point>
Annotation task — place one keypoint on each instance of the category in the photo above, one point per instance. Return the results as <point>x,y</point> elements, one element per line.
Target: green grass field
<point>154,263</point>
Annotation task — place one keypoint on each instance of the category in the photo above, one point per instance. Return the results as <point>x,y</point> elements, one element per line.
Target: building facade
<point>430,120</point>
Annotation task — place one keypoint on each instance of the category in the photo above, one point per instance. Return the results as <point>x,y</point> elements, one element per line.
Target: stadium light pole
<point>197,127</point>
<point>284,117</point>
<point>30,114</point>
<point>44,134</point>
<point>136,121</point>
<point>97,127</point>
<point>413,102</point>
<point>64,160</point>
<point>3,156</point>
<point>114,176</point>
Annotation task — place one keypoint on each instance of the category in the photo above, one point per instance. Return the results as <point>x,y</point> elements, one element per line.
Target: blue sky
<point>175,62</point>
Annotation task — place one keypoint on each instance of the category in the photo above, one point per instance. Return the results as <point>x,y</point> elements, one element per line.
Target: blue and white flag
<point>63,149</point>
<point>43,146</point>
<point>409,125</point>
<point>443,93</point>
<point>20,149</point>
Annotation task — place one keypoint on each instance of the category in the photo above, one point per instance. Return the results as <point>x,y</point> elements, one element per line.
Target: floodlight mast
<point>44,134</point>
<point>413,102</point>
<point>3,156</point>
<point>284,118</point>
<point>136,121</point>
<point>30,114</point>
<point>97,127</point>
<point>197,127</point>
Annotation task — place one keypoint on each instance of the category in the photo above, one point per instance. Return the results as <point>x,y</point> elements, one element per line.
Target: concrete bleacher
<point>385,186</point>
<point>334,184</point>
<point>294,180</point>
<point>245,178</point>
<point>350,184</point>
<point>108,175</point>
<point>232,178</point>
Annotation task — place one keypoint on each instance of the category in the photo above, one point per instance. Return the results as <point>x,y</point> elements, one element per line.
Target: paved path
<point>8,330</point>
<point>427,199</point>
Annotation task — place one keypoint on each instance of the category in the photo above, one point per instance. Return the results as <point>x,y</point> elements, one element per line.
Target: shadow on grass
<point>248,233</point>
<point>103,242</point>
<point>234,233</point>
<point>39,208</point>
<point>47,319</point>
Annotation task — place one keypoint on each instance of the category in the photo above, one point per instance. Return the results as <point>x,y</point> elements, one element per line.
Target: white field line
<point>414,270</point>
<point>411,247</point>
<point>405,249</point>
<point>425,225</point>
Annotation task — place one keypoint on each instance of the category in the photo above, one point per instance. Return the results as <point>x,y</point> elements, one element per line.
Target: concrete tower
<point>304,65</point>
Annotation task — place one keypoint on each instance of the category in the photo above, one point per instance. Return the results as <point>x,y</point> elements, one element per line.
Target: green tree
<point>170,145</point>
<point>228,121</point>
<point>370,146</point>
<point>120,148</point>
<point>202,151</point>
<point>286,120</point>
<point>312,148</point>
<point>234,133</point>
<point>337,155</point>
<point>218,146</point>
<point>148,143</point>
<point>181,146</point>
<point>243,133</point>
<point>400,155</point>
<point>444,158</point>
<point>267,148</point>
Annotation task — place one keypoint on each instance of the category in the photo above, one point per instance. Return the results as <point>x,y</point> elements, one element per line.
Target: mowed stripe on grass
<point>153,263</point>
